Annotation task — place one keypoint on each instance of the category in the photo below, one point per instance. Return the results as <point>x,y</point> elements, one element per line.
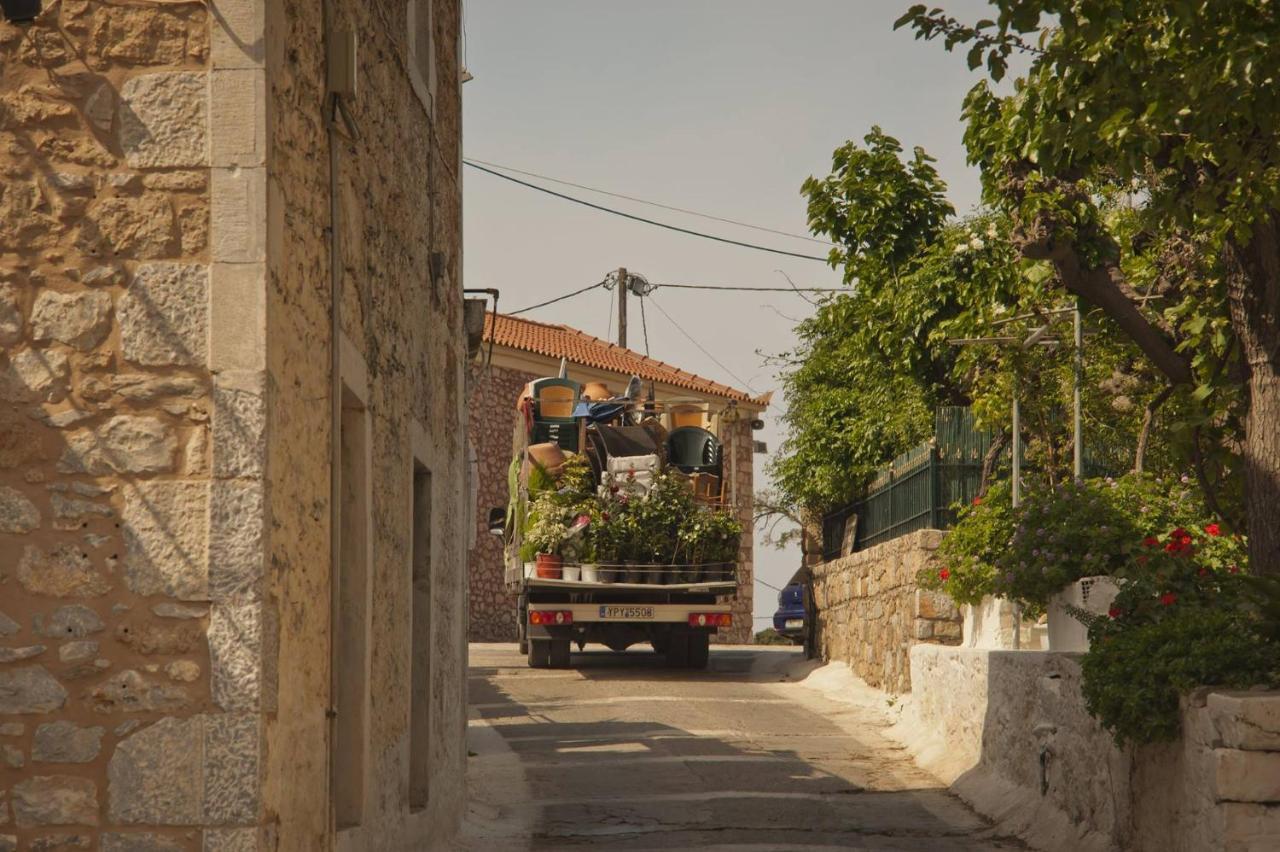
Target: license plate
<point>794,623</point>
<point>626,613</point>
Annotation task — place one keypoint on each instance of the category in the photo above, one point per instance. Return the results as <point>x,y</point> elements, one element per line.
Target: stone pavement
<point>621,753</point>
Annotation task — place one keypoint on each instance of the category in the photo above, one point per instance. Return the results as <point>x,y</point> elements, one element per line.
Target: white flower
<point>961,248</point>
<point>977,244</point>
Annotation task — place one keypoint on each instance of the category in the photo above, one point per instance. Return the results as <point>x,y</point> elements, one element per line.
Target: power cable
<point>755,289</point>
<point>556,299</point>
<point>656,204</point>
<point>632,216</point>
<point>702,349</point>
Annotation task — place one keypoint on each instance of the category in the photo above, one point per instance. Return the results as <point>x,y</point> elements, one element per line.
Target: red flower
<point>1234,569</point>
<point>1168,599</point>
<point>1213,529</point>
<point>1115,612</point>
<point>977,501</point>
<point>945,573</point>
<point>1203,572</point>
<point>1142,560</point>
<point>604,516</point>
<point>631,476</point>
<point>1178,532</point>
<point>1150,541</point>
<point>613,489</point>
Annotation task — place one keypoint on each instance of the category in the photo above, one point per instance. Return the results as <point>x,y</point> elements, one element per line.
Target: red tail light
<point>710,619</point>
<point>549,616</point>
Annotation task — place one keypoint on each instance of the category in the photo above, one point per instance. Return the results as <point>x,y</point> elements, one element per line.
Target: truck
<point>619,529</point>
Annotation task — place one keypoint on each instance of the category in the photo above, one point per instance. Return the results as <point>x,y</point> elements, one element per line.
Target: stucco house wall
<point>165,675</point>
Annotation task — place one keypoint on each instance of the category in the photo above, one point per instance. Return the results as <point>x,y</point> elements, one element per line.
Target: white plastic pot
<point>530,570</point>
<point>1091,594</point>
<point>590,573</point>
<point>572,573</point>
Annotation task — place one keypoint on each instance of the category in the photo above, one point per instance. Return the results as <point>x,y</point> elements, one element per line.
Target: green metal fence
<point>917,489</point>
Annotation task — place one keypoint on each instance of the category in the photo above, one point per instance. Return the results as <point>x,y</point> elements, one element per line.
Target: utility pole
<point>622,305</point>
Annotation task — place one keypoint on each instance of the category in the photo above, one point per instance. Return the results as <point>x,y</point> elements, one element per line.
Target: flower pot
<point>572,573</point>
<point>634,573</point>
<point>549,566</point>
<point>591,573</point>
<point>1091,594</point>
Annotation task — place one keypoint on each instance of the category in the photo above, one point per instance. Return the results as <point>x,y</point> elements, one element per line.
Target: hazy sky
<point>720,106</point>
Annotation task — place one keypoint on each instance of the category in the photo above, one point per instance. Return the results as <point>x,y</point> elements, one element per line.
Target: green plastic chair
<point>691,449</point>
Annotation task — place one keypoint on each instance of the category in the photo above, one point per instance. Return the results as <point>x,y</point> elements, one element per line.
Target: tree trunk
<point>1253,276</point>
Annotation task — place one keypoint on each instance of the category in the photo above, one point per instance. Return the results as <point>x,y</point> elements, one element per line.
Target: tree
<point>1176,102</point>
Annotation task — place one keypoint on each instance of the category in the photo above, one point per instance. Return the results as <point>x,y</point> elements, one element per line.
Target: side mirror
<point>498,520</point>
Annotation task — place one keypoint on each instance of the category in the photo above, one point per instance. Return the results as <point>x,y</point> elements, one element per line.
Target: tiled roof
<point>561,341</point>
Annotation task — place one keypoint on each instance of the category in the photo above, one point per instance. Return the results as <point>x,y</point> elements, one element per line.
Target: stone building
<point>524,350</point>
<point>200,647</point>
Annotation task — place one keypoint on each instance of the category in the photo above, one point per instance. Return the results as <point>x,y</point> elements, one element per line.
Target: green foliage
<point>1059,535</point>
<point>769,636</point>
<point>548,525</point>
<point>968,555</point>
<point>1134,675</point>
<point>664,526</point>
<point>1184,618</point>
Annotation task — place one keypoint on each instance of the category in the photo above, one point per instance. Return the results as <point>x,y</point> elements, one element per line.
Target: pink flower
<point>1213,529</point>
<point>1115,612</point>
<point>1168,599</point>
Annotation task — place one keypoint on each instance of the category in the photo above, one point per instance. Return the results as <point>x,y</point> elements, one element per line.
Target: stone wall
<point>492,608</point>
<point>983,719</point>
<point>130,472</point>
<point>399,200</point>
<point>870,612</point>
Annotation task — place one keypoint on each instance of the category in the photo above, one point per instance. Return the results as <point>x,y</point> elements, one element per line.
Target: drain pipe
<point>330,109</point>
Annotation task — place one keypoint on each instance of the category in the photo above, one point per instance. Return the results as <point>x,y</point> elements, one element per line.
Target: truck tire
<point>699,650</point>
<point>558,654</point>
<point>539,653</point>
<point>677,651</point>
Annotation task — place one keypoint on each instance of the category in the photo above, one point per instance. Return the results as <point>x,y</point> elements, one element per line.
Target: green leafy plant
<point>548,525</point>
<point>965,567</point>
<point>1181,620</point>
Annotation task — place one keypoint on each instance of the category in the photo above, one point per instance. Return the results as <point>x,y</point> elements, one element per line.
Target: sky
<point>718,106</point>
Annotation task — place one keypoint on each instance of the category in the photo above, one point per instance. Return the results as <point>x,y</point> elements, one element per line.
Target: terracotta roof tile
<point>562,341</point>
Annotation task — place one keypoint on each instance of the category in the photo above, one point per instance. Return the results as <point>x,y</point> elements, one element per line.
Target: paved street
<point>620,753</point>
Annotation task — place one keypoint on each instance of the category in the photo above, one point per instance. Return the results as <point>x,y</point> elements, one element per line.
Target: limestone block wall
<point>870,611</point>
<point>131,496</point>
<point>403,350</point>
<point>982,719</point>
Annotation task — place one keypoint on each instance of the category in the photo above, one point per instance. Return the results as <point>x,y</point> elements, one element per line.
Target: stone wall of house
<point>492,417</point>
<point>494,391</point>
<point>130,474</point>
<point>739,448</point>
<point>1009,730</point>
<point>403,349</point>
<point>870,611</point>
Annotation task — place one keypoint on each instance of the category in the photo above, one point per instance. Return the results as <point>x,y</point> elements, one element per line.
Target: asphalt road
<point>620,753</point>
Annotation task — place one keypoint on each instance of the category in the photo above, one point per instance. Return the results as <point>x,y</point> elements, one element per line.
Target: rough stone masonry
<point>131,453</point>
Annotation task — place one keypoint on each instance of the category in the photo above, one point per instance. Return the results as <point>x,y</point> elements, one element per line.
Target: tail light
<point>550,616</point>
<point>710,619</point>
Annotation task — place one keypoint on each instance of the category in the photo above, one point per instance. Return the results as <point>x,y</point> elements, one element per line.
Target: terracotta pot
<point>596,391</point>
<point>548,567</point>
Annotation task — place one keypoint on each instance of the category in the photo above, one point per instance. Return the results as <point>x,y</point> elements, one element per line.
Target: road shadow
<point>776,776</point>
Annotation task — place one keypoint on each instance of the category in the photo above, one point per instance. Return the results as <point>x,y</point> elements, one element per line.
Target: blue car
<point>789,619</point>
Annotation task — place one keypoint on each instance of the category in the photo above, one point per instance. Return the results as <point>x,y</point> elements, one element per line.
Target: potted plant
<point>545,536</point>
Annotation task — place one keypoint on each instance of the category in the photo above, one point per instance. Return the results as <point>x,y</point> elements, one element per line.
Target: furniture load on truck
<point>618,530</point>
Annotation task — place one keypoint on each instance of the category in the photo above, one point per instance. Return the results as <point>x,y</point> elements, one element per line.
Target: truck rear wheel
<point>699,650</point>
<point>539,653</point>
<point>677,651</point>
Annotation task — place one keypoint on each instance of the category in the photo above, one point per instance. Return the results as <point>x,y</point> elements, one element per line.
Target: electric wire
<point>556,299</point>
<point>739,289</point>
<point>608,335</point>
<point>633,217</point>
<point>702,349</point>
<point>655,203</point>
